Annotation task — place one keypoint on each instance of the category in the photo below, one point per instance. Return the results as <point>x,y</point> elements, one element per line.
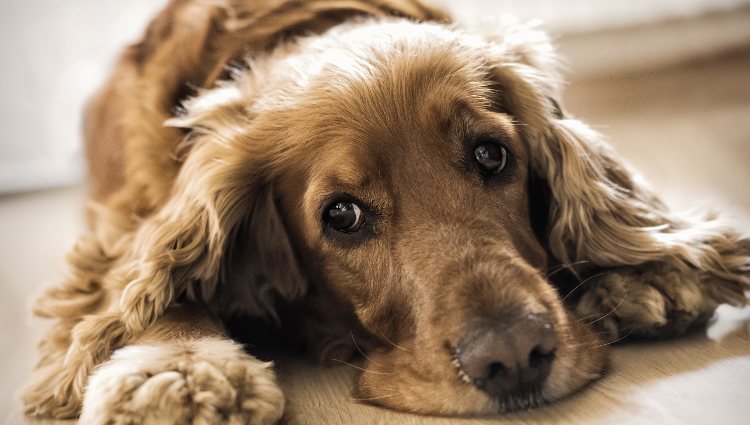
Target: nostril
<point>497,370</point>
<point>539,358</point>
<point>508,355</point>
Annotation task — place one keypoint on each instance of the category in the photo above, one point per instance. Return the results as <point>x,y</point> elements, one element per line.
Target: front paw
<point>204,381</point>
<point>654,301</point>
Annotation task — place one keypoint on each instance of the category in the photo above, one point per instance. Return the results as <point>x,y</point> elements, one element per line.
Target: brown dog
<point>393,176</point>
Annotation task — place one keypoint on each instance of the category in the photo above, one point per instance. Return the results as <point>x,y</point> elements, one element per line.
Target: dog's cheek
<point>375,292</point>
<point>582,357</point>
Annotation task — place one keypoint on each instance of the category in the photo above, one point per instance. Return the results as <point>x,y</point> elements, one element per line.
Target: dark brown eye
<point>491,157</point>
<point>344,216</point>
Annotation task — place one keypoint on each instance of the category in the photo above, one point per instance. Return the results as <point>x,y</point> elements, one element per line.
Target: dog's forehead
<point>367,61</point>
<point>392,81</point>
<point>365,142</point>
<point>377,102</point>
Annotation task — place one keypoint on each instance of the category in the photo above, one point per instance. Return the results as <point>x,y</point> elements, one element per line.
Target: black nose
<point>509,355</point>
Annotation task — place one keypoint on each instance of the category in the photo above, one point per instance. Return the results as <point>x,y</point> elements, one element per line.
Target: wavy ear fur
<point>184,242</point>
<point>600,210</point>
<point>260,266</point>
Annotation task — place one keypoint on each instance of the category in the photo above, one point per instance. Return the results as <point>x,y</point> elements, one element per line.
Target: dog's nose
<point>508,355</point>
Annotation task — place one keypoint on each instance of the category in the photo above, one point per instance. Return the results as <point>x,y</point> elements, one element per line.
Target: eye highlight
<point>344,216</point>
<point>491,157</point>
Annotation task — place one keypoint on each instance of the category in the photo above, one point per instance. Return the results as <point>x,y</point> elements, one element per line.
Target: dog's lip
<point>521,401</point>
<point>454,351</point>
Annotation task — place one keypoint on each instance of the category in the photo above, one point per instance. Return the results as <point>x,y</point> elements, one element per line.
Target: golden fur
<point>271,108</point>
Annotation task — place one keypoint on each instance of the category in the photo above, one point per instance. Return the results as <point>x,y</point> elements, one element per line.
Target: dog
<point>386,176</point>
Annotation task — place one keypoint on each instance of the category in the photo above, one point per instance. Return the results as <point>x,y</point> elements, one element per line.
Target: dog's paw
<point>207,381</point>
<point>654,301</point>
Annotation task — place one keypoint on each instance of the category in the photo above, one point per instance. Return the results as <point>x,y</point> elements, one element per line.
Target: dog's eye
<point>344,216</point>
<point>491,157</point>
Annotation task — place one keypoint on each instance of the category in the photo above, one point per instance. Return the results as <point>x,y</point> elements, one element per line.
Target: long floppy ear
<point>260,267</point>
<point>220,238</point>
<point>183,243</point>
<point>600,210</point>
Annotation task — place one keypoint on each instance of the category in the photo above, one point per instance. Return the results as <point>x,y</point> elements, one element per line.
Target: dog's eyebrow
<point>444,113</point>
<point>465,120</point>
<point>352,183</point>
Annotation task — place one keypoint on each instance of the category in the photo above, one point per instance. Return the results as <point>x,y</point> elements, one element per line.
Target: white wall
<point>574,16</point>
<point>56,52</point>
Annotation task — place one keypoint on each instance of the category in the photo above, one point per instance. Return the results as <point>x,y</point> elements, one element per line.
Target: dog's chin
<point>419,382</point>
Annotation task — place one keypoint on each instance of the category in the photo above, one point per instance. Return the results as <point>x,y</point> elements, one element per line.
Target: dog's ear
<point>600,211</point>
<point>260,267</point>
<point>220,230</point>
<point>539,206</point>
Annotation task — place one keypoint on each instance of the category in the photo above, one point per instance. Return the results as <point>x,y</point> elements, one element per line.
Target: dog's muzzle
<point>507,356</point>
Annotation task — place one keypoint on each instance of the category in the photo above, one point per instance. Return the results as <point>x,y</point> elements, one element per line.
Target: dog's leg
<point>183,370</point>
<point>652,300</point>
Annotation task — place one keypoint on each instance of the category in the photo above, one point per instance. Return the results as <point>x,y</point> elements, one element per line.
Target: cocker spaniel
<point>370,172</point>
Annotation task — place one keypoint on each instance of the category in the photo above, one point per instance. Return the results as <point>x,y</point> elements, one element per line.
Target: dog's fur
<point>271,110</point>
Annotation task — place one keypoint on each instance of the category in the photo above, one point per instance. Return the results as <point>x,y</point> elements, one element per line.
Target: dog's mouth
<point>522,401</point>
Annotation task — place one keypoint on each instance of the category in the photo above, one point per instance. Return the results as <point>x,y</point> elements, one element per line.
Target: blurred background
<point>668,81</point>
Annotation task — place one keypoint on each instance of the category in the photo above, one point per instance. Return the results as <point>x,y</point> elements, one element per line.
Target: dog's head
<point>426,179</point>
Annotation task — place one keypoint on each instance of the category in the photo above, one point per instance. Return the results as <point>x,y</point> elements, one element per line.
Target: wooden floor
<point>688,381</point>
<point>687,128</point>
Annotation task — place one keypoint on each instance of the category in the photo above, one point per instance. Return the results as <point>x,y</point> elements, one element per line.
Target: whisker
<point>601,333</point>
<point>359,349</point>
<point>590,343</point>
<point>362,369</point>
<point>393,344</point>
<point>568,266</point>
<point>581,284</point>
<point>375,398</point>
<point>615,341</point>
<point>589,317</point>
<point>616,307</point>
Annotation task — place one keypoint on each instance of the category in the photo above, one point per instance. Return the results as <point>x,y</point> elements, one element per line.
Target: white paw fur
<point>202,381</point>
